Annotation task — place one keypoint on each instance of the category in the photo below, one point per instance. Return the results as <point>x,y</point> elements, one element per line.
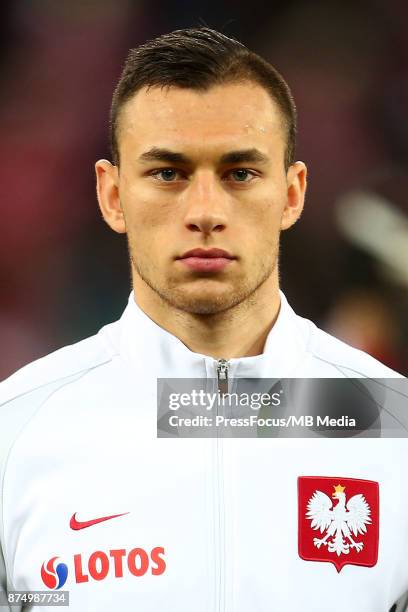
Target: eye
<point>241,175</point>
<point>166,175</point>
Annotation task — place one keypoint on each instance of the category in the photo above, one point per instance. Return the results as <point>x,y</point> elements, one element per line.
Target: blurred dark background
<point>345,265</point>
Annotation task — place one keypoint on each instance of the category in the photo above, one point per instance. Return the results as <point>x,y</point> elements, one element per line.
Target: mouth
<point>206,260</point>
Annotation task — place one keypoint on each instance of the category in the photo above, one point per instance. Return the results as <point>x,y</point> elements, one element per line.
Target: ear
<point>296,186</point>
<point>107,189</point>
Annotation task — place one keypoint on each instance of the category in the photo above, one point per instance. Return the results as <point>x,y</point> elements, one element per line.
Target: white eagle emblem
<point>340,521</point>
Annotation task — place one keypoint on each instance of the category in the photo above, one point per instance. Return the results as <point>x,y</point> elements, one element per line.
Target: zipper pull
<point>222,373</point>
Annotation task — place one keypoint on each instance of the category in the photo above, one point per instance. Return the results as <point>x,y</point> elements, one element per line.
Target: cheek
<point>140,203</point>
<point>146,211</point>
<point>264,215</point>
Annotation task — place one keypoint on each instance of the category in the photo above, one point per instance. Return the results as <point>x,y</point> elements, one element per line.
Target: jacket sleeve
<point>402,603</point>
<point>6,440</point>
<point>3,575</point>
<point>15,412</point>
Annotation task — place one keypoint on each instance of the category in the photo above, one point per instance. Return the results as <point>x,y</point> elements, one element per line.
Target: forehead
<point>224,116</point>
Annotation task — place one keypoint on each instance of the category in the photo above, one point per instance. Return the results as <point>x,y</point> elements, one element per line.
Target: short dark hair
<point>199,58</point>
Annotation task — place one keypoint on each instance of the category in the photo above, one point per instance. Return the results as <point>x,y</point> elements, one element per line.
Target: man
<point>203,181</point>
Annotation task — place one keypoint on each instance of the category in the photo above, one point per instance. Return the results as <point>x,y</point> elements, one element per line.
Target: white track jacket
<point>93,503</point>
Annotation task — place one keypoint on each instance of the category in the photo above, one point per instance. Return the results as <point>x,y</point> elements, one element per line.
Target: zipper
<point>222,384</point>
<point>222,375</point>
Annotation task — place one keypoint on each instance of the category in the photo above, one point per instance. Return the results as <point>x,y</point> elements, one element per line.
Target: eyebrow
<point>232,157</point>
<point>164,155</point>
<point>243,156</point>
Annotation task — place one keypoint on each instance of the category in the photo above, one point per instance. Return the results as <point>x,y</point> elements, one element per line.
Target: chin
<point>204,304</point>
<point>203,308</point>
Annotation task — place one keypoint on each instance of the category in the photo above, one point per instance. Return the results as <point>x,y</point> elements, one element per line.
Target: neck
<point>238,332</point>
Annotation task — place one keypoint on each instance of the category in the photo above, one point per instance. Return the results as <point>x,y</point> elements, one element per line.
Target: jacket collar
<point>147,345</point>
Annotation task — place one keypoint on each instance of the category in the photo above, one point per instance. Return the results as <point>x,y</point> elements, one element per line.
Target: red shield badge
<point>338,520</point>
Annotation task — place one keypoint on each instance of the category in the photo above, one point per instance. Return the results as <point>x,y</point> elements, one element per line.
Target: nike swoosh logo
<point>75,524</point>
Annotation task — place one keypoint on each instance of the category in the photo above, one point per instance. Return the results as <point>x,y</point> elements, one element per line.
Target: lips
<point>207,253</point>
<point>206,260</point>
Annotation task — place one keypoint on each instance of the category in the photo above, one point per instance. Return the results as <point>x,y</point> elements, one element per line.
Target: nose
<point>205,204</point>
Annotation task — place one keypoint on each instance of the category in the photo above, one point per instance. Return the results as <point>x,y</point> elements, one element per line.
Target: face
<point>202,170</point>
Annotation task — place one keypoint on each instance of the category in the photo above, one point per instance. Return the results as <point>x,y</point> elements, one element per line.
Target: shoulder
<point>334,357</point>
<point>23,395</point>
<point>60,367</point>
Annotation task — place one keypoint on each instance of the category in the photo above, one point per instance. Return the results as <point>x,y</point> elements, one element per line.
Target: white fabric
<point>78,435</point>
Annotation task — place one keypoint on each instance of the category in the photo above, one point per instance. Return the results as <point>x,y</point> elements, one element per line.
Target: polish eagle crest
<point>342,524</point>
